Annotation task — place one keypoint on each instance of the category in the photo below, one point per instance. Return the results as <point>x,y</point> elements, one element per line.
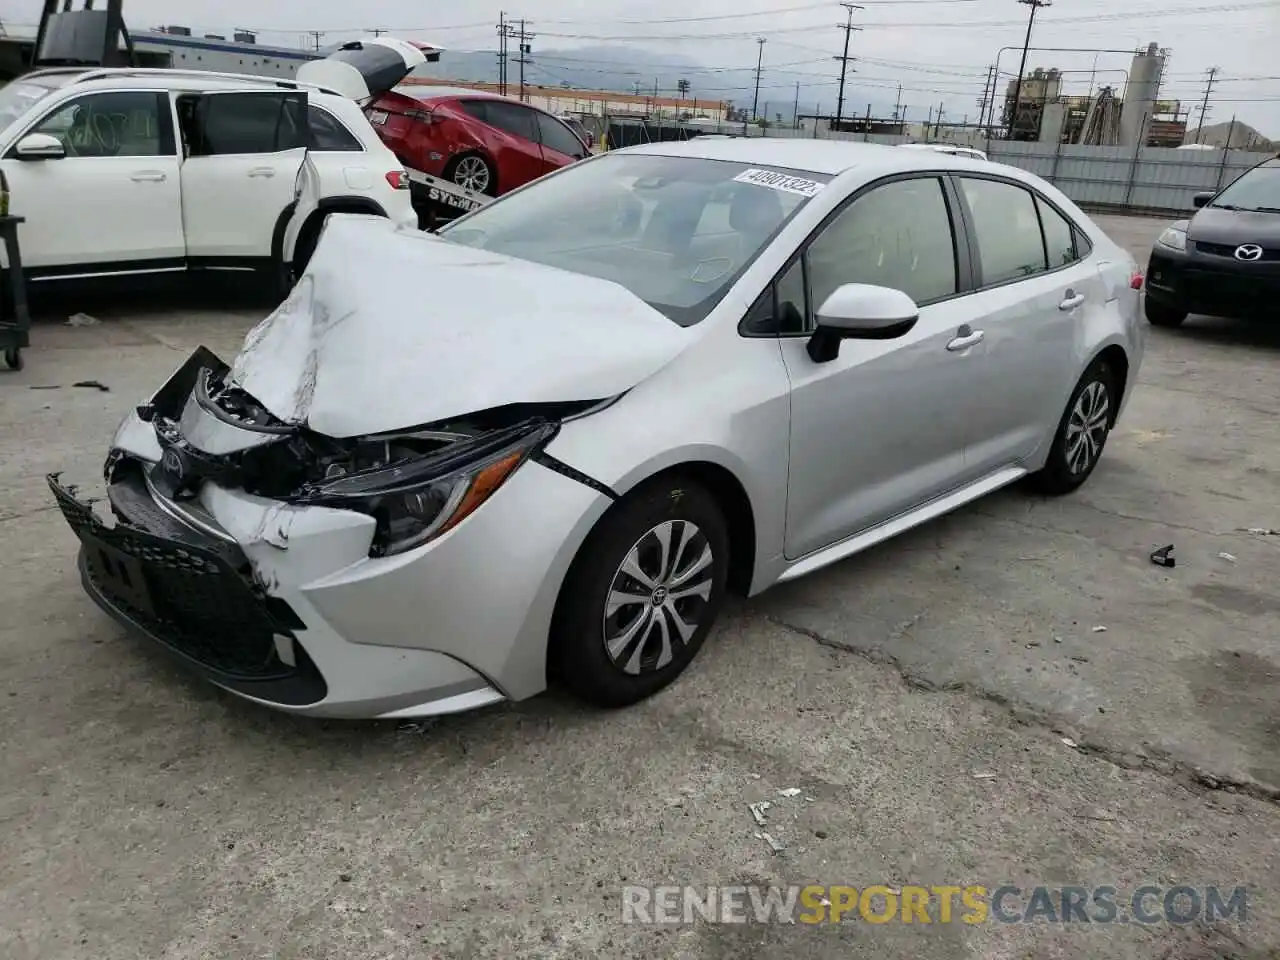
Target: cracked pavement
<point>144,814</point>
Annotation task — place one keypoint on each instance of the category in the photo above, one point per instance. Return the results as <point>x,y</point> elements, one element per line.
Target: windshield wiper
<point>1226,206</point>
<point>1266,209</point>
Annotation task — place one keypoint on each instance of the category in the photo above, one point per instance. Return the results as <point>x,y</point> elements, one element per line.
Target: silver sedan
<point>541,446</point>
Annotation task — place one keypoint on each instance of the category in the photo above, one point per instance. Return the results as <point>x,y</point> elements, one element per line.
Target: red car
<point>480,141</point>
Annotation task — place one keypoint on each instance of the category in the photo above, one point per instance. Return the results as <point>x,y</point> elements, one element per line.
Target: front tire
<point>642,594</point>
<point>1162,315</point>
<point>1082,433</point>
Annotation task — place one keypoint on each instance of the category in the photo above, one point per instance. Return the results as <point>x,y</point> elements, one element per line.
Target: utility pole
<point>1204,107</point>
<point>848,28</point>
<point>795,110</point>
<point>523,37</point>
<point>316,35</point>
<point>504,31</point>
<point>1022,67</point>
<point>755,100</point>
<point>988,95</point>
<point>897,107</point>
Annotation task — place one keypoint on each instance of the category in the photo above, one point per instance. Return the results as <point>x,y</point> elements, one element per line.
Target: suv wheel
<point>1161,315</point>
<point>642,594</point>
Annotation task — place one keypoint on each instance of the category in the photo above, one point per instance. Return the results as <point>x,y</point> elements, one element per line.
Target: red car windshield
<point>675,231</point>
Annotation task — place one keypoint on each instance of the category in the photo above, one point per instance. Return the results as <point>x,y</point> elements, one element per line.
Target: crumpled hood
<point>389,329</point>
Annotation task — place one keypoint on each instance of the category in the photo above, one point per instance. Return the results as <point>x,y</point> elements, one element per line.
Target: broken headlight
<point>416,500</point>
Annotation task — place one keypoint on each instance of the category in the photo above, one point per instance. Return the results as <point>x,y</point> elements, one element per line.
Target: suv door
<point>1035,294</point>
<point>111,201</point>
<point>881,428</point>
<point>244,154</point>
<point>560,145</point>
<point>516,148</point>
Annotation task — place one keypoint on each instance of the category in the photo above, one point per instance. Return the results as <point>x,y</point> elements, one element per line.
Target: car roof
<point>831,157</point>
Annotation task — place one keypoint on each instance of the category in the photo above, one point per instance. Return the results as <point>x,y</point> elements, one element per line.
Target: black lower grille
<point>187,589</point>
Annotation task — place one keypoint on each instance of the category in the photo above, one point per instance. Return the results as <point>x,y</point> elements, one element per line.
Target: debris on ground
<point>1071,743</point>
<point>417,726</point>
<point>1079,659</point>
<point>82,320</point>
<point>1261,531</point>
<point>758,811</point>
<point>1099,629</point>
<point>984,776</point>
<point>1229,557</point>
<point>93,385</point>
<point>775,846</point>
<point>789,792</point>
<point>1164,557</point>
<point>47,386</point>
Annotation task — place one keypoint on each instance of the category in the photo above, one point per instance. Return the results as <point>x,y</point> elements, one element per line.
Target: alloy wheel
<point>658,596</point>
<point>1087,427</point>
<point>472,173</point>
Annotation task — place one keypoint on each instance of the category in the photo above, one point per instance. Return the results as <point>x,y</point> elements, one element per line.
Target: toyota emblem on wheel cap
<point>1249,252</point>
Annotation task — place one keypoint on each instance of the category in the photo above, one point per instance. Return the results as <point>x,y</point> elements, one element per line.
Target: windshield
<point>1257,189</point>
<point>675,231</point>
<point>20,96</point>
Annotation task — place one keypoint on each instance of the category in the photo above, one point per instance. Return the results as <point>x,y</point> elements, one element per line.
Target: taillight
<point>398,179</point>
<point>1135,281</point>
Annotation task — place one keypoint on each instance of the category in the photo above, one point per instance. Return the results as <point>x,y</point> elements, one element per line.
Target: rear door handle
<point>143,176</point>
<point>1072,301</point>
<point>965,341</point>
<point>262,172</point>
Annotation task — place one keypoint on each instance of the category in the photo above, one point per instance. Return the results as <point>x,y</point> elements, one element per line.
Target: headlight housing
<point>415,501</point>
<point>1174,238</point>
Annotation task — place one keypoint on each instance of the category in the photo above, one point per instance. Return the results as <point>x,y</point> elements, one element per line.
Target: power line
<point>844,58</point>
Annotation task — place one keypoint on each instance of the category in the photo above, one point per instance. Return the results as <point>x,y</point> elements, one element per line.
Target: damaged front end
<point>221,517</point>
<point>417,484</point>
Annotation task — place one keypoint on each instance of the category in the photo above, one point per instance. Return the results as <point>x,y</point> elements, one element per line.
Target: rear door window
<point>559,137</point>
<point>513,119</point>
<point>1059,239</point>
<point>1007,229</point>
<point>248,123</point>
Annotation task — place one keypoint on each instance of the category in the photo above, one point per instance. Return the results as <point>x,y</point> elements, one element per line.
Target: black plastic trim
<point>542,458</point>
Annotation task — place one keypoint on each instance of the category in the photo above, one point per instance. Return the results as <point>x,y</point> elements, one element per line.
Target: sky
<point>939,50</point>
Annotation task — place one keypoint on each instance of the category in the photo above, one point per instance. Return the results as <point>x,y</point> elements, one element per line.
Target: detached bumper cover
<point>192,594</point>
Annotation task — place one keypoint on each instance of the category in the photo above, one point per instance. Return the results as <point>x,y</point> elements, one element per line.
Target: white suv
<point>128,171</point>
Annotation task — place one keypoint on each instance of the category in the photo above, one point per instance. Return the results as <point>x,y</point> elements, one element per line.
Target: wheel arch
<point>310,231</point>
<point>1117,360</point>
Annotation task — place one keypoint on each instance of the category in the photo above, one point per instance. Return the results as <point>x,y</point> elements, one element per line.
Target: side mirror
<point>1201,199</point>
<point>40,146</point>
<point>860,311</point>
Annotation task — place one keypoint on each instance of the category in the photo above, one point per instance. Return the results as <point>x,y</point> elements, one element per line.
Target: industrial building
<point>1137,116</point>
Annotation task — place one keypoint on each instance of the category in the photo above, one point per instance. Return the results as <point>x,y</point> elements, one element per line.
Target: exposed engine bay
<point>416,482</point>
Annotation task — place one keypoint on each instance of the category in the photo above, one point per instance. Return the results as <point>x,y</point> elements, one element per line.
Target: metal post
<point>795,110</point>
<point>866,128</point>
<point>1222,167</point>
<point>844,59</point>
<point>755,99</point>
<point>1022,69</point>
<point>1133,166</point>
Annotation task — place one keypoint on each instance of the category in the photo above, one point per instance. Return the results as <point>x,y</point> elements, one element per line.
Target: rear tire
<point>1161,315</point>
<point>1082,433</point>
<point>473,168</point>
<point>642,594</point>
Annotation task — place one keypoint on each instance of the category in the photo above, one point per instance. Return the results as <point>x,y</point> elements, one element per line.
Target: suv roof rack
<point>102,73</point>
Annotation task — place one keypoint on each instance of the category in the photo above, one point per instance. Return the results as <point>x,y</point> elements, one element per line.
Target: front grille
<point>1229,250</point>
<point>188,590</point>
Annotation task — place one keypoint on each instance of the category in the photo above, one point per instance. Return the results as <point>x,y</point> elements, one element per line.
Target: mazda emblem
<point>1248,252</point>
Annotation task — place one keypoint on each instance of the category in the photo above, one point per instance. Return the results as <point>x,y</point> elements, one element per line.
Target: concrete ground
<point>945,703</point>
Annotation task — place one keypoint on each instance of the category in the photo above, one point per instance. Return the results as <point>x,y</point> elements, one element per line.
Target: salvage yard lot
<point>146,814</point>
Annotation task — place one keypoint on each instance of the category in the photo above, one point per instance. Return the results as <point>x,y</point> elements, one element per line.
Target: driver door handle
<point>262,172</point>
<point>965,340</point>
<point>1072,300</point>
<point>155,176</point>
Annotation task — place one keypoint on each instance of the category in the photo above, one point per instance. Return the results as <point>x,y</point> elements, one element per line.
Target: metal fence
<point>1157,180</point>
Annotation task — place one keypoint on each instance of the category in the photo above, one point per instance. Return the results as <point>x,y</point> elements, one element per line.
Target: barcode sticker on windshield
<point>780,181</point>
